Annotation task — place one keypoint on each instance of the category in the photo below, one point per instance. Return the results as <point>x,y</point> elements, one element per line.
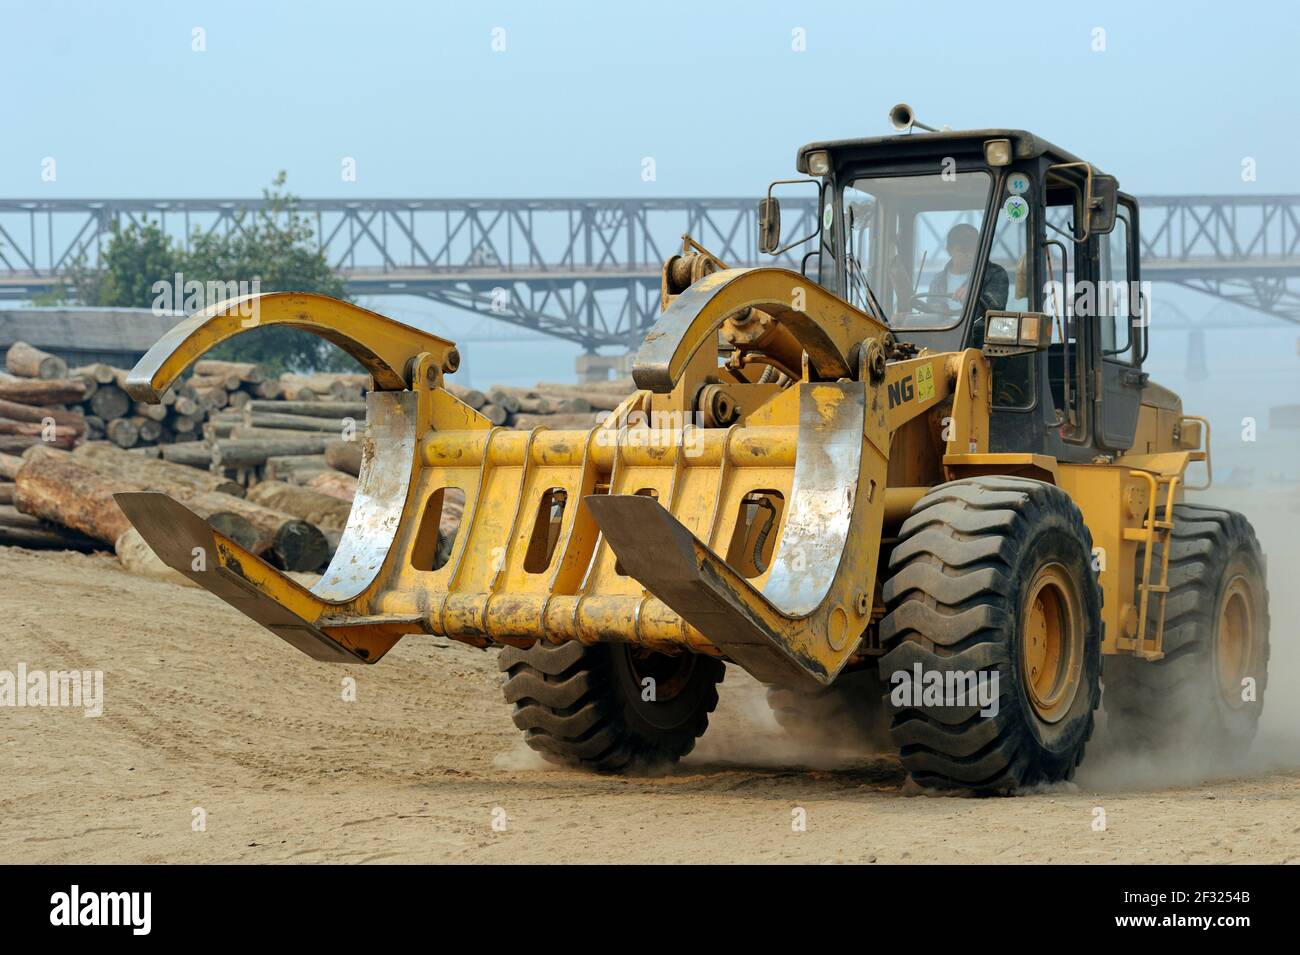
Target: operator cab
<point>991,239</point>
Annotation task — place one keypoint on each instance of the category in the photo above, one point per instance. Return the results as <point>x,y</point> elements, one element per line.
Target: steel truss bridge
<point>587,270</point>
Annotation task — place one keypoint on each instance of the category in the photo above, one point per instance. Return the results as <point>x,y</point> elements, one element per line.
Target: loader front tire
<point>609,707</point>
<point>992,580</point>
<point>1207,692</point>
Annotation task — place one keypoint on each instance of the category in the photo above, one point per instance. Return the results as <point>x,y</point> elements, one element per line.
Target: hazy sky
<point>583,92</point>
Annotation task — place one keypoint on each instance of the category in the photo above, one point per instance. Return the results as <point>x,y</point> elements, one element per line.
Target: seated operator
<point>1012,376</point>
<point>954,279</point>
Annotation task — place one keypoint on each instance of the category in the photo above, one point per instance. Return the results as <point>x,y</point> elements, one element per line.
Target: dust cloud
<point>744,732</point>
<point>1275,514</point>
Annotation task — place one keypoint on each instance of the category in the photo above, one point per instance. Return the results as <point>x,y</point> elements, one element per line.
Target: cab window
<point>913,241</point>
<point>1115,305</point>
<point>1066,364</point>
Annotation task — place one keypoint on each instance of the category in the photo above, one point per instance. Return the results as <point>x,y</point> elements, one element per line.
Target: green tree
<point>275,248</point>
<point>136,257</point>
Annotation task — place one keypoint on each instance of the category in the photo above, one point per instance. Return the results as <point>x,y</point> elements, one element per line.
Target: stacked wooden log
<point>42,401</point>
<point>324,386</point>
<point>244,427</point>
<point>271,462</point>
<point>22,530</point>
<point>232,384</point>
<point>52,498</point>
<point>548,404</point>
<point>64,406</point>
<point>111,413</point>
<point>72,493</point>
<point>38,399</point>
<point>271,424</point>
<point>288,419</point>
<point>25,361</point>
<point>18,529</point>
<point>252,417</point>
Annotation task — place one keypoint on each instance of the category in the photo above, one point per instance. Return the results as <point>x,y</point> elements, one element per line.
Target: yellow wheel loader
<point>919,485</point>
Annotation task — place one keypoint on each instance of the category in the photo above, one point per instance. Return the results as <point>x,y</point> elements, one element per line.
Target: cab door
<point>1120,330</point>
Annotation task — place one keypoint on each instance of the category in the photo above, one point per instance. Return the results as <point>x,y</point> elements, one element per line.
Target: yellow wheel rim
<point>1234,644</point>
<point>1051,643</point>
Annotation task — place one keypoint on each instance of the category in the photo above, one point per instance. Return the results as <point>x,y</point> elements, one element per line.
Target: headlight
<point>1015,333</point>
<point>1003,330</point>
<point>819,163</point>
<point>997,152</point>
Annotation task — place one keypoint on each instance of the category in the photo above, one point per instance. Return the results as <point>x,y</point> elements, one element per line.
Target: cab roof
<point>922,145</point>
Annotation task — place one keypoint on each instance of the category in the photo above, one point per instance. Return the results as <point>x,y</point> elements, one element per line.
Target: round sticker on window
<point>828,216</point>
<point>1016,208</point>
<point>1017,183</point>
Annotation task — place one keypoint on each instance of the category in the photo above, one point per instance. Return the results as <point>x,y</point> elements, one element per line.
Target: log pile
<point>324,386</point>
<point>42,401</point>
<point>38,399</point>
<point>234,418</point>
<point>231,384</point>
<point>272,429</point>
<point>110,413</point>
<point>270,462</point>
<point>546,405</point>
<point>72,438</point>
<point>22,530</point>
<point>72,493</point>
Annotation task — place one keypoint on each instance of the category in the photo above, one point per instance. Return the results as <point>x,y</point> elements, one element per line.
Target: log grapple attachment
<point>732,506</point>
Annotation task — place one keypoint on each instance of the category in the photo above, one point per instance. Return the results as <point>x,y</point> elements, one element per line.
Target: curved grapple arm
<point>383,347</point>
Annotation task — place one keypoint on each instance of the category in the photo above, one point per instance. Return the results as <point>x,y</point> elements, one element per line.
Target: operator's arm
<point>993,292</point>
<point>993,297</point>
<point>939,284</point>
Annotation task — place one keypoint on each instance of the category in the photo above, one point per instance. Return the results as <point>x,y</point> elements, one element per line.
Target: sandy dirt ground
<point>205,711</point>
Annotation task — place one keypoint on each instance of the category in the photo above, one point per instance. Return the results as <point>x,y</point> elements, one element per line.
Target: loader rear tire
<point>993,575</point>
<point>1215,639</point>
<point>584,705</point>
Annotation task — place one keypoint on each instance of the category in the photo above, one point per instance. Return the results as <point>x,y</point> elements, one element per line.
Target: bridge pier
<point>594,368</point>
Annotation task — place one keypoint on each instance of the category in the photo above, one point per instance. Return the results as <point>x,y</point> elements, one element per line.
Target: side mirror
<point>769,224</point>
<point>1103,204</point>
